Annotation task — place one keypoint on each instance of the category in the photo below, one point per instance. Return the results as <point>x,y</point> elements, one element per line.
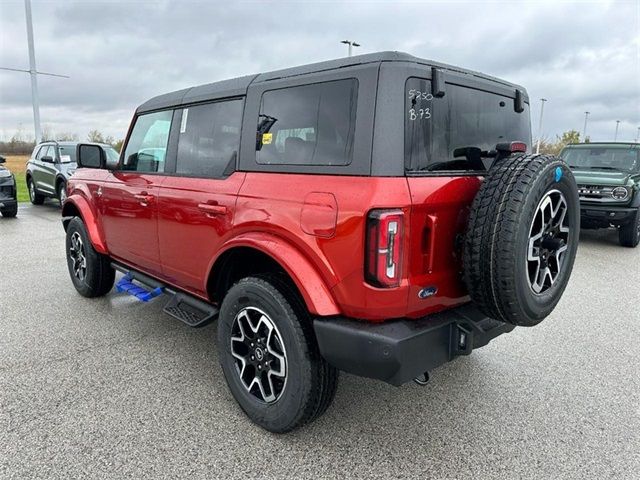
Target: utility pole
<point>584,130</point>
<point>615,137</point>
<point>542,100</point>
<point>351,44</point>
<point>33,72</point>
<point>638,135</point>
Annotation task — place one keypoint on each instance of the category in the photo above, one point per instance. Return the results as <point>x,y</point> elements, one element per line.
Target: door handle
<point>144,199</point>
<point>212,209</point>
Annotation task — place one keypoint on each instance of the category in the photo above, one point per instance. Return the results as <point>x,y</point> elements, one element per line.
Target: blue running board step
<point>126,285</point>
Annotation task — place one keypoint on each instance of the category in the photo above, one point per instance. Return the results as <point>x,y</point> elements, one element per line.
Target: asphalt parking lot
<point>115,388</point>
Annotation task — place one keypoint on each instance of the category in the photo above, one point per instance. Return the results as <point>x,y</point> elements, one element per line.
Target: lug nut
<point>252,357</point>
<point>259,367</point>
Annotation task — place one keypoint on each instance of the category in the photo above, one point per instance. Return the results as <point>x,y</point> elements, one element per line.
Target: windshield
<point>67,153</point>
<point>602,158</point>
<point>112,155</point>
<point>463,117</point>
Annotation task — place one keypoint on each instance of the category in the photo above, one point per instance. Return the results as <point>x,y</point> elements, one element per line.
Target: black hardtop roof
<point>238,86</point>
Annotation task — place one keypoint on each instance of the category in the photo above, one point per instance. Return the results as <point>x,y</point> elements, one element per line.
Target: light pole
<point>542,100</point>
<point>615,137</point>
<point>638,135</point>
<point>351,44</point>
<point>584,130</point>
<point>33,72</point>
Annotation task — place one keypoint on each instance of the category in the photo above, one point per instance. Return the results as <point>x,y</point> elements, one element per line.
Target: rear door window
<point>308,125</point>
<point>147,146</point>
<point>209,138</point>
<point>464,117</point>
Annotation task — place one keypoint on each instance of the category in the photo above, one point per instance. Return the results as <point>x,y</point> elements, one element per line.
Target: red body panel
<point>129,214</point>
<point>175,228</point>
<point>195,218</point>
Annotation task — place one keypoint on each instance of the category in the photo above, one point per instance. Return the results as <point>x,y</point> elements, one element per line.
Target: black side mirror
<point>90,156</point>
<point>47,159</point>
<point>2,159</point>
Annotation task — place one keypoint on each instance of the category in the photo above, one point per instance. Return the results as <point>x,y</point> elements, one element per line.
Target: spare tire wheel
<point>522,238</point>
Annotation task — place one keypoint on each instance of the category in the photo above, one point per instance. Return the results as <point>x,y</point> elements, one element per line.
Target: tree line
<point>18,144</point>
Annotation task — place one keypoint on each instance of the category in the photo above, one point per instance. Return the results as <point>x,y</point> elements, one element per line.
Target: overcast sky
<point>581,56</point>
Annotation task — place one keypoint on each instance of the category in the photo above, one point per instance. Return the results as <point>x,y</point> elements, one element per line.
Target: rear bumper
<point>401,350</point>
<point>606,215</point>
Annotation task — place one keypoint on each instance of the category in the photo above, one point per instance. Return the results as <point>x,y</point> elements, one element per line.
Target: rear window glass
<point>602,158</point>
<point>463,117</point>
<point>308,125</point>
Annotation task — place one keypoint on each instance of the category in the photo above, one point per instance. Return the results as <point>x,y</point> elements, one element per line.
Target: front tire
<point>35,197</point>
<point>62,192</point>
<point>270,357</point>
<point>10,212</point>
<point>629,234</point>
<point>90,271</point>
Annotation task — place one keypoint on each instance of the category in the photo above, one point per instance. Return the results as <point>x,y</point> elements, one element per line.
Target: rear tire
<point>269,304</point>
<point>35,197</point>
<point>10,212</point>
<point>629,234</point>
<point>522,238</point>
<point>90,271</point>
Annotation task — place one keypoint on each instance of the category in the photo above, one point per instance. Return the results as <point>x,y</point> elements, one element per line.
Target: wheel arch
<point>249,255</point>
<point>59,179</point>
<point>77,206</point>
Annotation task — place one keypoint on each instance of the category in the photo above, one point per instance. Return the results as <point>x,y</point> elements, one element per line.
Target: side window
<point>147,145</point>
<point>209,138</point>
<point>43,152</point>
<point>308,125</point>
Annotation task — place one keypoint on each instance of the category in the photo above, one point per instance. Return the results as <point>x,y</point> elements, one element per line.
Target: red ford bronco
<point>377,214</point>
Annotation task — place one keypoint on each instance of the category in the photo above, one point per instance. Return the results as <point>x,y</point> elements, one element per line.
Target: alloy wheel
<point>259,353</point>
<point>77,256</point>
<point>548,242</point>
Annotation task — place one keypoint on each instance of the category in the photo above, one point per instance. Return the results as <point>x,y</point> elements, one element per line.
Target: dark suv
<point>608,176</point>
<point>8,192</point>
<point>50,167</point>
<point>377,214</point>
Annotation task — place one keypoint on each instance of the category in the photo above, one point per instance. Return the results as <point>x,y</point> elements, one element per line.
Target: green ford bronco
<point>608,177</point>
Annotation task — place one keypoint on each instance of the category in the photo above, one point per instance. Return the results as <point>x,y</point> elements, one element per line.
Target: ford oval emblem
<point>427,292</point>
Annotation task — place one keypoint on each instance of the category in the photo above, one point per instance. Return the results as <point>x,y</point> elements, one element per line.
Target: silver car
<point>50,166</point>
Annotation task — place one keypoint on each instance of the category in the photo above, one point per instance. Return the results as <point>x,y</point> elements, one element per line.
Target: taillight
<point>383,260</point>
<point>518,147</point>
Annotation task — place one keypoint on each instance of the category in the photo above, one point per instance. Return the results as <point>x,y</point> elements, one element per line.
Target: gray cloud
<point>579,55</point>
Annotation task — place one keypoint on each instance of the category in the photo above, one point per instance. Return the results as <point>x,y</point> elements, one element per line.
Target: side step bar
<point>190,310</point>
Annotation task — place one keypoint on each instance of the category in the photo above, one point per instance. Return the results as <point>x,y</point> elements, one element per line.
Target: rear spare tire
<point>522,238</point>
